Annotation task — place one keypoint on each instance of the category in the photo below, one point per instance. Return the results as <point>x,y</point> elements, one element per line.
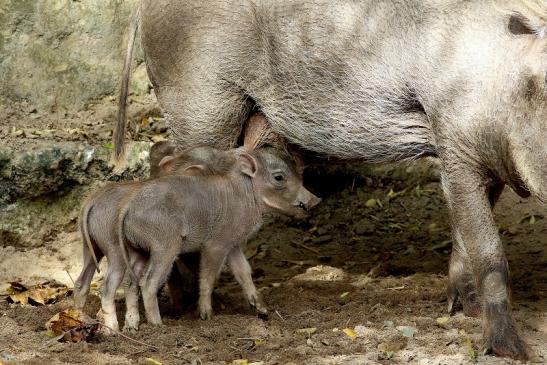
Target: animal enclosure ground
<point>383,267</point>
<point>343,287</point>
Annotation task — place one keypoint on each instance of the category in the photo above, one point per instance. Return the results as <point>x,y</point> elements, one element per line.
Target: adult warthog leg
<point>469,204</point>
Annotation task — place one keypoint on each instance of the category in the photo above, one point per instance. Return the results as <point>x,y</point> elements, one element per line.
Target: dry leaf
<point>153,361</point>
<point>37,295</point>
<point>442,321</point>
<point>407,331</point>
<point>158,138</point>
<point>371,203</point>
<point>240,362</point>
<point>72,325</point>
<point>307,331</point>
<point>350,333</point>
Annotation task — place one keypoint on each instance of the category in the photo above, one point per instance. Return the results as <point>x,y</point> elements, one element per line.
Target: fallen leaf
<point>407,331</point>
<point>307,331</point>
<point>371,203</point>
<point>259,342</point>
<point>153,361</point>
<point>443,321</point>
<point>17,132</point>
<point>71,325</point>
<point>345,294</point>
<point>350,333</point>
<point>158,138</point>
<point>37,295</point>
<point>240,362</point>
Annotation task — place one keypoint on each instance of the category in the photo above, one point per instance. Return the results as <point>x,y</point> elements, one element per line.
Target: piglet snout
<point>307,200</point>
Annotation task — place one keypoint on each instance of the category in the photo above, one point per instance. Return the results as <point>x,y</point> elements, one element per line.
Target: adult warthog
<point>376,81</point>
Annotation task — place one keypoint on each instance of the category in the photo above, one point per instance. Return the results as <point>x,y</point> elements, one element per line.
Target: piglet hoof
<point>205,313</point>
<point>502,339</point>
<point>259,306</point>
<point>130,327</point>
<point>109,330</point>
<point>108,327</point>
<point>453,303</point>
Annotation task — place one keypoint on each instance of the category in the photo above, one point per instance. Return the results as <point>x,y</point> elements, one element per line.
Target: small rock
<point>307,331</point>
<point>322,239</point>
<point>391,346</point>
<point>363,331</point>
<point>364,226</point>
<point>321,273</point>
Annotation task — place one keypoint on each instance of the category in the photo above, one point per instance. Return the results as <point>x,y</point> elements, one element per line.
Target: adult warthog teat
<point>377,81</point>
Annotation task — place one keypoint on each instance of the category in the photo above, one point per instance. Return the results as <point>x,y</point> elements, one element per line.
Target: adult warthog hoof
<point>502,339</point>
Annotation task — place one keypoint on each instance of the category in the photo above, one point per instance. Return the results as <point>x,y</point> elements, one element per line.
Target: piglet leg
<point>132,316</point>
<point>155,275</point>
<point>112,281</point>
<point>81,286</point>
<point>212,259</point>
<point>242,272</point>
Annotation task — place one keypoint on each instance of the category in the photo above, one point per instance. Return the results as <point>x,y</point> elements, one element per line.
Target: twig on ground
<point>279,314</point>
<point>249,339</point>
<point>311,249</point>
<point>127,337</point>
<point>397,288</point>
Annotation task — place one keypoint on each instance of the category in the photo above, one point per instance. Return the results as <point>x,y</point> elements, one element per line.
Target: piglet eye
<point>279,177</point>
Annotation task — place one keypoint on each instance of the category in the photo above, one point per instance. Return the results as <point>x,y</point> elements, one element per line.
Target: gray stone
<point>42,186</point>
<point>48,167</point>
<point>65,53</point>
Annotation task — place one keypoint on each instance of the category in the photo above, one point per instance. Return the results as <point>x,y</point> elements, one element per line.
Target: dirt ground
<point>367,260</point>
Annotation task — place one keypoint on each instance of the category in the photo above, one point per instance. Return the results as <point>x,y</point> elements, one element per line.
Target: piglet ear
<point>166,161</point>
<point>194,170</point>
<point>247,164</point>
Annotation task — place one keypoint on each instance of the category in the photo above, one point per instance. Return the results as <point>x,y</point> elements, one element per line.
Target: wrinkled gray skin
<point>173,214</point>
<point>183,281</point>
<point>376,81</point>
<point>99,213</point>
<point>104,207</point>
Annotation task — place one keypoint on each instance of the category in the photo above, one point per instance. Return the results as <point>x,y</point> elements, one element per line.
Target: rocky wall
<point>65,54</point>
